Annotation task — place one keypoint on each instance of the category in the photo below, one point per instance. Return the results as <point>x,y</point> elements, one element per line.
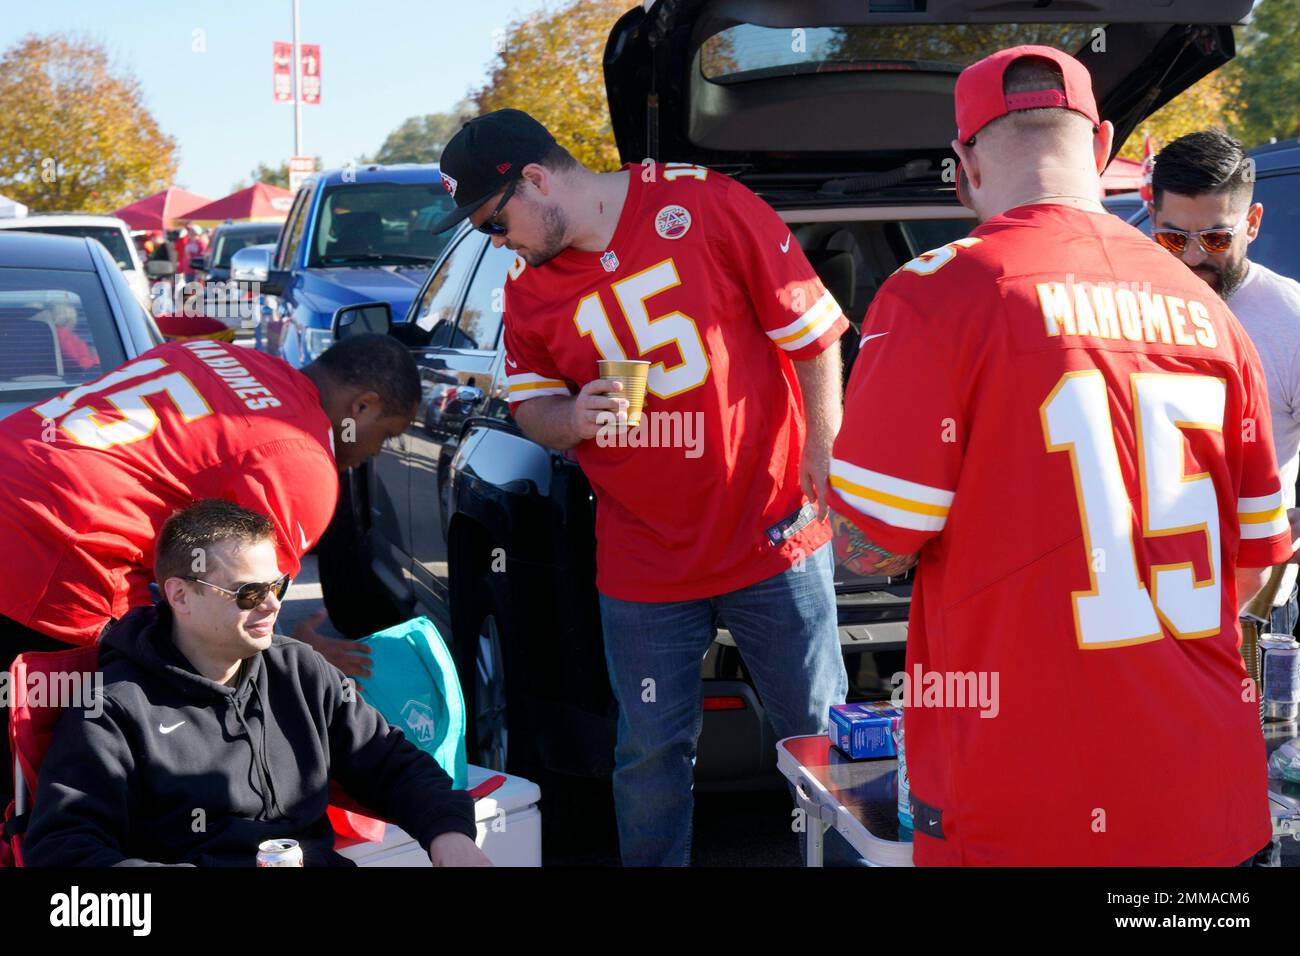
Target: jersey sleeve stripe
<point>1266,529</point>
<point>891,486</point>
<point>1262,503</point>
<point>808,327</point>
<point>522,391</point>
<point>871,505</point>
<point>1261,517</point>
<point>524,378</point>
<point>893,501</point>
<point>537,393</point>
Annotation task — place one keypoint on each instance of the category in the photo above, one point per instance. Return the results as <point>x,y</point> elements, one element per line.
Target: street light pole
<point>297,87</point>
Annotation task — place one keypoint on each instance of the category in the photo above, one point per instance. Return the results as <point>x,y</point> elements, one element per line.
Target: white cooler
<point>508,822</point>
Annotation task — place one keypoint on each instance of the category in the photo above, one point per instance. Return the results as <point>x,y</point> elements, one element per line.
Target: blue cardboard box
<point>865,730</point>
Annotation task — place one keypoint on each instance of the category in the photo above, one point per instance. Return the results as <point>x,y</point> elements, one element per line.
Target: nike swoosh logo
<point>785,246</point>
<point>874,335</point>
<point>303,538</point>
<point>168,730</point>
<point>510,362</point>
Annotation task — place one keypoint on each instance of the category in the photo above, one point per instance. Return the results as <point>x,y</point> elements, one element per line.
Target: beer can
<point>1279,670</point>
<point>279,853</point>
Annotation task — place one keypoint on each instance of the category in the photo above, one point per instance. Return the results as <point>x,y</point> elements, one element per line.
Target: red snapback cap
<point>980,100</point>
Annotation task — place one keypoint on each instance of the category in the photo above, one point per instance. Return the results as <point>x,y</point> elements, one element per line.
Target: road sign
<point>300,167</point>
<point>282,71</point>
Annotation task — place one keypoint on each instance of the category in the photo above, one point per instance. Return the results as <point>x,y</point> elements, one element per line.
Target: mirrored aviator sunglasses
<point>249,596</point>
<point>1213,241</point>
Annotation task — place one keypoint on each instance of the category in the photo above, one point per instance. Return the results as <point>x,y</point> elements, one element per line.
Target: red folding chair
<point>31,729</point>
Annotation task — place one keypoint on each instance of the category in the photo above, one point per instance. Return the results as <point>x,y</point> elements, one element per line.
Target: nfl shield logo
<point>448,183</point>
<point>609,261</point>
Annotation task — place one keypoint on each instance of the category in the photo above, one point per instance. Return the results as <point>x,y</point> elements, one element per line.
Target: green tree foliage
<point>420,139</point>
<point>1267,69</point>
<point>272,175</point>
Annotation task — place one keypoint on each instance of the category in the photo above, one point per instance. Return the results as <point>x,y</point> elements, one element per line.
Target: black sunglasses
<point>249,596</point>
<point>490,226</point>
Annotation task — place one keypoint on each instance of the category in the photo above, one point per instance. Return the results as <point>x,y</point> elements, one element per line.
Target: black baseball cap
<point>484,155</point>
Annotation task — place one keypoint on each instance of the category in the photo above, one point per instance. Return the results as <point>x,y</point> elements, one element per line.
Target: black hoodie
<point>178,769</point>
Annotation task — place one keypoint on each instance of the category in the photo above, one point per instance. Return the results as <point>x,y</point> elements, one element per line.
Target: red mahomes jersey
<point>87,478</point>
<point>705,281</point>
<point>1073,431</point>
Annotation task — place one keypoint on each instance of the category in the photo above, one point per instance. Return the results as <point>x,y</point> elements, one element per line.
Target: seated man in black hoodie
<point>216,735</point>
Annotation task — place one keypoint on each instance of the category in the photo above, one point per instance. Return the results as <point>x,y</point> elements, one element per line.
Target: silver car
<point>67,316</point>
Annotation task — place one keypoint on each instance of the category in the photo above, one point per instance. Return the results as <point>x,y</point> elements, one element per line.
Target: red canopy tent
<point>258,203</point>
<point>161,210</point>
<point>1121,176</point>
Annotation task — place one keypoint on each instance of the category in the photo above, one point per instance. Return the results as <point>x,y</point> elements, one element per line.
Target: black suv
<point>846,133</point>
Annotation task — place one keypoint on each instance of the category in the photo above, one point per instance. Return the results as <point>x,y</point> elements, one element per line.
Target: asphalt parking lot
<point>578,828</point>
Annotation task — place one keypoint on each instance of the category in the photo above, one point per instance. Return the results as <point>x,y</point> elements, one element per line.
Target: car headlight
<point>314,342</point>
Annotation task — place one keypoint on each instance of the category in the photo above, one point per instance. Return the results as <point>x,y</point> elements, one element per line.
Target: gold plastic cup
<point>633,376</point>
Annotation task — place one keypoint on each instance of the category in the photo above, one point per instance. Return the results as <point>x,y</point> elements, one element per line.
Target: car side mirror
<point>250,264</point>
<point>364,317</point>
<point>160,268</point>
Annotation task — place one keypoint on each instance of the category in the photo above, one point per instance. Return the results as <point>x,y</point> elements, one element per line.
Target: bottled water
<point>904,790</point>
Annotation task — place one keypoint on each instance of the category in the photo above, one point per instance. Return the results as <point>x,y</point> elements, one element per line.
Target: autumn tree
<point>74,133</point>
<point>549,64</point>
<point>1211,101</point>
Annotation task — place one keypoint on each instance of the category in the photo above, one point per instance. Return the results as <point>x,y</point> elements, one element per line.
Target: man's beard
<point>1225,279</point>
<point>556,225</point>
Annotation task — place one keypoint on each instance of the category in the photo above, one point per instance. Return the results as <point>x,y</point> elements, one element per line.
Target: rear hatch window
<point>749,52</point>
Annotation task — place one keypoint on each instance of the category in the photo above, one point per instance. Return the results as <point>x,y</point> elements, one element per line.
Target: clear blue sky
<point>381,62</point>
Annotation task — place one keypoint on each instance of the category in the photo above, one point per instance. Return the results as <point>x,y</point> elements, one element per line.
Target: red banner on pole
<point>309,81</point>
<point>282,71</point>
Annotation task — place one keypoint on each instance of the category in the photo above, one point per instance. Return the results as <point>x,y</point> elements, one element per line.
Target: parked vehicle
<point>227,239</point>
<point>353,235</point>
<point>67,315</point>
<point>846,135</point>
<point>111,232</point>
<point>1124,205</point>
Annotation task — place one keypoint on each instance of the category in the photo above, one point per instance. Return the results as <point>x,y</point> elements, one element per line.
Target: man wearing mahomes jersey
<point>710,504</point>
<point>88,477</point>
<point>1072,434</point>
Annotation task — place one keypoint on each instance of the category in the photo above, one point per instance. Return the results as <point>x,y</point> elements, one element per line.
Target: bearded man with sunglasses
<point>1203,213</point>
<point>208,717</point>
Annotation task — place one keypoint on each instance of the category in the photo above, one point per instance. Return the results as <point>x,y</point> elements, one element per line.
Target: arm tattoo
<point>864,558</point>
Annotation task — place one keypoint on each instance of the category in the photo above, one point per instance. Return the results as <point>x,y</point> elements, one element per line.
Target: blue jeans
<point>785,629</point>
<point>1283,619</point>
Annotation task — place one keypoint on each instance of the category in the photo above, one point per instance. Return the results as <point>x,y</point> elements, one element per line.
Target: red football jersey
<point>705,281</point>
<point>87,478</point>
<point>1073,431</point>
